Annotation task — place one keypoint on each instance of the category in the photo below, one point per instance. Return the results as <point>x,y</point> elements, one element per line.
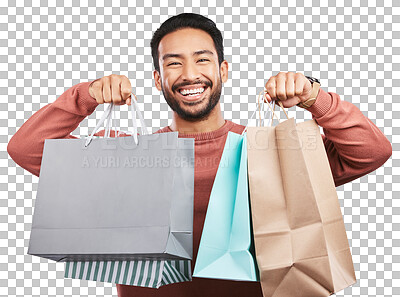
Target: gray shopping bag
<point>146,273</point>
<point>115,199</point>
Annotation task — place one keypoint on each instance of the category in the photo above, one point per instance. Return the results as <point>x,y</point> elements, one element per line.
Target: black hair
<point>187,20</point>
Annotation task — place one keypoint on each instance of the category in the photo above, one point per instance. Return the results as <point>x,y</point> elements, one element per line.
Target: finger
<point>98,94</point>
<point>281,86</point>
<point>270,87</point>
<point>268,97</point>
<point>116,89</point>
<point>299,85</point>
<point>126,88</point>
<point>107,90</point>
<point>307,85</point>
<point>94,84</point>
<point>290,85</point>
<point>129,101</point>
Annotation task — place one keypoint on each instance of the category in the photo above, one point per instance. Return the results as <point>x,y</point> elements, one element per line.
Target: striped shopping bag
<point>150,273</point>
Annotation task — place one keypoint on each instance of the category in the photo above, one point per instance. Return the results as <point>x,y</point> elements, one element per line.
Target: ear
<point>224,71</point>
<point>157,79</point>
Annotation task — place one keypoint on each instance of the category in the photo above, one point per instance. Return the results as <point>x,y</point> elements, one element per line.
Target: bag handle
<point>133,117</point>
<point>260,107</point>
<point>142,123</point>
<point>110,118</point>
<point>279,103</point>
<point>107,116</point>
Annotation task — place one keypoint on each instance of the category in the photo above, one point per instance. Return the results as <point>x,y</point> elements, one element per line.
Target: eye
<point>172,63</point>
<point>203,60</point>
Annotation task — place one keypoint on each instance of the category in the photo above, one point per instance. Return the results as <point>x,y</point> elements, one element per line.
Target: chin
<point>195,103</point>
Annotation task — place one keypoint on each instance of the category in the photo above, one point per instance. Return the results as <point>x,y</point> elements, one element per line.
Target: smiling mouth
<point>192,95</point>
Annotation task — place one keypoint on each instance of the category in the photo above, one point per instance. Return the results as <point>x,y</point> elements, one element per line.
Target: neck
<point>212,122</point>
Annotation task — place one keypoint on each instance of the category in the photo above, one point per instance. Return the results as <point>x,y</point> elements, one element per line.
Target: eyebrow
<point>166,56</point>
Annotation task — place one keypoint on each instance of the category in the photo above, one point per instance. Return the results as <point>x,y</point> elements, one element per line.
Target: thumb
<point>268,97</point>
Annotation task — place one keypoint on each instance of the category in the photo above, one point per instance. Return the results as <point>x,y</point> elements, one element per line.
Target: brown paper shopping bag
<point>300,238</point>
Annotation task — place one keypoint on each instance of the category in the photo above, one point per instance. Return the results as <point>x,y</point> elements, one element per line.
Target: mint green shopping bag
<point>225,250</point>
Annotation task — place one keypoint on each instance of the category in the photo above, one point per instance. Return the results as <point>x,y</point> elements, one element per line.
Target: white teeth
<point>192,91</point>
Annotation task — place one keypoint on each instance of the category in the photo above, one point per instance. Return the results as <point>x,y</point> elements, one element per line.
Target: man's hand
<point>113,88</point>
<point>290,88</point>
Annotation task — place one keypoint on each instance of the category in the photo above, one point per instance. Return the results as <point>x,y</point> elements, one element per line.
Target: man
<point>190,68</point>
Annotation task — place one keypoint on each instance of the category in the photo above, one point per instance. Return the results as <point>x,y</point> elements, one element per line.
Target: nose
<point>190,72</point>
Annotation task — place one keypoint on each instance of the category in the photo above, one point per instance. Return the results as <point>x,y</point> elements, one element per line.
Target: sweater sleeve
<point>54,121</point>
<point>355,146</point>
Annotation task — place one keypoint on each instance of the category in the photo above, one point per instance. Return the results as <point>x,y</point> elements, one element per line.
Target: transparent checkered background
<point>352,47</point>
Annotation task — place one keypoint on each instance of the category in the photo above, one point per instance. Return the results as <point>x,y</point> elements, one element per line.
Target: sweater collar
<point>205,135</point>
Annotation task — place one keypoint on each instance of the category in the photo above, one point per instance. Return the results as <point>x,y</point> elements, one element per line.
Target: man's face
<point>189,63</point>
